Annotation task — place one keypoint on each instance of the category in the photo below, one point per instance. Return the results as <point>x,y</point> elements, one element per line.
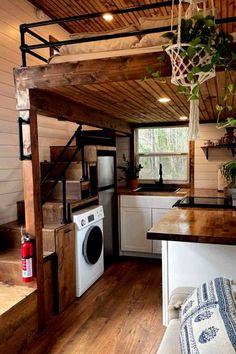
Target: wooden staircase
<point>18,301</point>
<point>81,190</point>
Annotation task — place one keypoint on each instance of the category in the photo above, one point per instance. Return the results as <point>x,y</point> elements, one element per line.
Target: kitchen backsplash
<point>206,171</point>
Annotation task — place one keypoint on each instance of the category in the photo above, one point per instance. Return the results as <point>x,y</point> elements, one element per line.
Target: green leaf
<point>219,108</point>
<point>191,51</point>
<point>161,59</point>
<point>168,35</point>
<point>196,69</point>
<point>149,69</point>
<point>182,89</point>
<point>206,68</point>
<point>156,74</point>
<point>195,41</point>
<point>230,88</point>
<point>190,76</point>
<point>196,89</point>
<point>209,23</point>
<point>230,108</point>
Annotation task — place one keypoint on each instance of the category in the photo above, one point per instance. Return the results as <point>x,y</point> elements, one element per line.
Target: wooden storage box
<point>61,239</point>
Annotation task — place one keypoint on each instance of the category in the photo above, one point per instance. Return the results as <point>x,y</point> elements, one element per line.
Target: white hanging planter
<point>183,65</point>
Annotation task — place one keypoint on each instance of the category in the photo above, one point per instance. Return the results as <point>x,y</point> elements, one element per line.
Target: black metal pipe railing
<point>99,14</point>
<point>40,38</point>
<point>115,35</point>
<point>98,38</point>
<point>74,136</point>
<point>60,175</point>
<point>36,55</point>
<point>29,48</point>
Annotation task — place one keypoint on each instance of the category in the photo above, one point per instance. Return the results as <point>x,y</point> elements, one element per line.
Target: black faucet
<point>160,174</point>
<point>160,182</point>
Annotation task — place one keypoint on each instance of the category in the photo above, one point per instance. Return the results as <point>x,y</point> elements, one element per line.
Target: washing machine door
<point>92,245</point>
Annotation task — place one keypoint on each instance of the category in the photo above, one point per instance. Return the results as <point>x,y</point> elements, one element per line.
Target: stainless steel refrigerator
<point>106,189</point>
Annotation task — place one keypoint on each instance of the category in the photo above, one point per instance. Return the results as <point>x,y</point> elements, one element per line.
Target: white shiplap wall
<point>205,171</point>
<point>51,132</point>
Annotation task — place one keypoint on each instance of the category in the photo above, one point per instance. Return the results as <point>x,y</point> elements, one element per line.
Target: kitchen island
<point>201,225</point>
<point>198,244</point>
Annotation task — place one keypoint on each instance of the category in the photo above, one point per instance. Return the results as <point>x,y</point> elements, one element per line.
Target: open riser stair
<point>75,173</point>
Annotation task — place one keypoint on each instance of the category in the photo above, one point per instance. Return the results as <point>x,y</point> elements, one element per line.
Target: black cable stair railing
<point>81,139</point>
<point>62,175</point>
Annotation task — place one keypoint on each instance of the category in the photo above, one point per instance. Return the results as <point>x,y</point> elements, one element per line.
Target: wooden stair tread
<point>13,255</point>
<point>10,255</point>
<point>11,295</point>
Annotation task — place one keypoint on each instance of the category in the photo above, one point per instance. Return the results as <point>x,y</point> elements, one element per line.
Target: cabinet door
<point>157,214</point>
<point>135,222</point>
<point>65,249</point>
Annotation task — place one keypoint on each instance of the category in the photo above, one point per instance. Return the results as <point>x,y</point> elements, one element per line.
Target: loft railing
<point>26,28</point>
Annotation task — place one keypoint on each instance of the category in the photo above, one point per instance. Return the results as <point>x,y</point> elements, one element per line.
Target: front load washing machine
<point>89,259</point>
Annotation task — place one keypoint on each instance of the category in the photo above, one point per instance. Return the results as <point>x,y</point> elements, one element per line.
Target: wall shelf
<point>206,149</point>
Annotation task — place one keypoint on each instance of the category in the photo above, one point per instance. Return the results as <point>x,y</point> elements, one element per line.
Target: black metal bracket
<point>22,156</point>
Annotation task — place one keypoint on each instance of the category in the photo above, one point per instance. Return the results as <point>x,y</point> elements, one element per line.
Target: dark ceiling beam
<point>90,71</point>
<point>55,105</point>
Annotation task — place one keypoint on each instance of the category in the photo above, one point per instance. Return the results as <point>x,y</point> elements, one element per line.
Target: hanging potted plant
<point>131,171</point>
<point>196,48</point>
<point>228,171</point>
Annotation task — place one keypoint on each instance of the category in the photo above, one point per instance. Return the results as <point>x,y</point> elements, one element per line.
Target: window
<point>166,146</point>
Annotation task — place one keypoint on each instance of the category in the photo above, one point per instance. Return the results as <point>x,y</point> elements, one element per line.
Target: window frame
<point>190,169</point>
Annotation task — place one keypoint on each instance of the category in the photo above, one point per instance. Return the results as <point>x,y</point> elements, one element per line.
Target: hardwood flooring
<point>120,314</point>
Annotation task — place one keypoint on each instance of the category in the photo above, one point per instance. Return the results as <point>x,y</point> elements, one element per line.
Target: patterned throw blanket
<point>208,319</point>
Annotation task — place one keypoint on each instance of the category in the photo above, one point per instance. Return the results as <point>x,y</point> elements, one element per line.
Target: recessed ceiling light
<point>107,17</point>
<point>183,118</point>
<point>164,99</point>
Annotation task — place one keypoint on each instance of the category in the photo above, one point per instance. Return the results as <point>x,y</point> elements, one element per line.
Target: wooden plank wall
<point>205,171</point>
<point>51,132</point>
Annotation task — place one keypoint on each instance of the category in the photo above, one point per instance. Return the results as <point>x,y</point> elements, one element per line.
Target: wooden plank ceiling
<point>134,101</point>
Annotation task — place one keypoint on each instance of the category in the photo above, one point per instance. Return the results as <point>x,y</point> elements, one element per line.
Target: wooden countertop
<point>127,191</point>
<point>181,192</point>
<point>202,225</point>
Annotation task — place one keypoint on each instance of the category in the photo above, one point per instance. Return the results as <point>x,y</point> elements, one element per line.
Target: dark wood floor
<point>120,314</point>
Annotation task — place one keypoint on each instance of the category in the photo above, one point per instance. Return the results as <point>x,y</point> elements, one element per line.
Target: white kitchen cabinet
<point>134,225</point>
<point>157,214</point>
<point>137,215</point>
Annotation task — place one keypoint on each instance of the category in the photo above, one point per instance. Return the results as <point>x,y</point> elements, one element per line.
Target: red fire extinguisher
<point>27,252</point>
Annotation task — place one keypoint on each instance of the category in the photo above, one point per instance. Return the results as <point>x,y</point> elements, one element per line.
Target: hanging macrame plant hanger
<point>182,65</point>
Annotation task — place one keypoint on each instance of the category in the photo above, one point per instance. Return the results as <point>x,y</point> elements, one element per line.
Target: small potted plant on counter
<point>228,171</point>
<point>131,171</point>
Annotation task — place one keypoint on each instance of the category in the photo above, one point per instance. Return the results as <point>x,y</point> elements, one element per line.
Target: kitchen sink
<point>157,188</point>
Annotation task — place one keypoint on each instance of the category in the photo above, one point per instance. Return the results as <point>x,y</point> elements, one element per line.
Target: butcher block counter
<point>202,225</point>
<point>198,244</point>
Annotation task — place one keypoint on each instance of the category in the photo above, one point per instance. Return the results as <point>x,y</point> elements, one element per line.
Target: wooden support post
<point>33,210</point>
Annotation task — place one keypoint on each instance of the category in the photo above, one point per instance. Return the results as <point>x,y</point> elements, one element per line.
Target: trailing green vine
<point>203,36</point>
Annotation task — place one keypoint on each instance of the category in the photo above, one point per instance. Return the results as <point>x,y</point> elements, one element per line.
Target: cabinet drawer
<point>133,201</point>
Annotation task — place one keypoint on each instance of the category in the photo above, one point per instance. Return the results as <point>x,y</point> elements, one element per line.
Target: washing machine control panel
<point>85,217</point>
